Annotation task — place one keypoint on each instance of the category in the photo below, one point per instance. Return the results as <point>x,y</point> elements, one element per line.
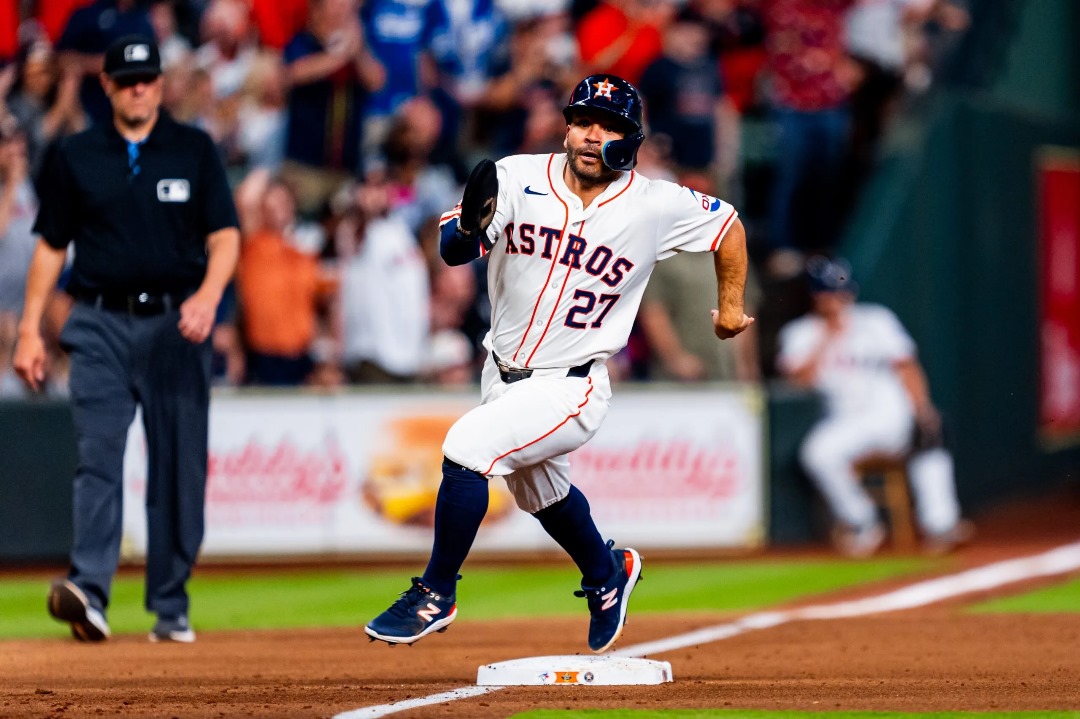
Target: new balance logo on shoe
<point>429,613</point>
<point>419,612</point>
<point>607,607</point>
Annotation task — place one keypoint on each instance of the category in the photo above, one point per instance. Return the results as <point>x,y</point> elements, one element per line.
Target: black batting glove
<point>478,202</point>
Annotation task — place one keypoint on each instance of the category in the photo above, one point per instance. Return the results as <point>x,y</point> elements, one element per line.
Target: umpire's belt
<point>142,304</point>
<point>509,374</point>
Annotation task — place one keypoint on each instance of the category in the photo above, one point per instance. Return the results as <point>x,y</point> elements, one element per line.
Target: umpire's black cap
<point>133,57</point>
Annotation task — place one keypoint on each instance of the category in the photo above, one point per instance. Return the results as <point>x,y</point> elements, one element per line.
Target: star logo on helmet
<point>603,89</point>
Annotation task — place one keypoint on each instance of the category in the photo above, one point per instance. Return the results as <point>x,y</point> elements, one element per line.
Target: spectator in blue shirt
<point>401,35</point>
<point>329,72</point>
<point>478,35</point>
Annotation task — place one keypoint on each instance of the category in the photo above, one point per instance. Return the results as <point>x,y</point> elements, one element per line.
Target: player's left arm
<point>892,338</point>
<point>927,417</point>
<point>730,262</point>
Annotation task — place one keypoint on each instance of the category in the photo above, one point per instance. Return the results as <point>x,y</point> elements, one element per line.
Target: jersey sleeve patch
<point>690,220</point>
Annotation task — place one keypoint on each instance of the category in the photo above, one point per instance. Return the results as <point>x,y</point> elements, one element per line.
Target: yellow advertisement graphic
<point>403,481</point>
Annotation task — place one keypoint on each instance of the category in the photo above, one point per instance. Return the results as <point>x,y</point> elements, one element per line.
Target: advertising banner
<point>354,473</point>
<point>1059,234</point>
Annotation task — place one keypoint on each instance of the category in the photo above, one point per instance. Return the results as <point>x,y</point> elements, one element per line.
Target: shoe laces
<point>595,594</point>
<point>413,597</point>
<point>595,600</point>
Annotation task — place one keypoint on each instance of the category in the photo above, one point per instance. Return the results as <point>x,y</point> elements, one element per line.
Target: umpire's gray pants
<point>118,360</point>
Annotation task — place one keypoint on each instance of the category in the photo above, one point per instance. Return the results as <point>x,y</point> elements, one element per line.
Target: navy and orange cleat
<point>607,604</point>
<point>419,612</point>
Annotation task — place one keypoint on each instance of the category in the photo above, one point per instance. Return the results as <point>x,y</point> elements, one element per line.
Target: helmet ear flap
<point>622,154</point>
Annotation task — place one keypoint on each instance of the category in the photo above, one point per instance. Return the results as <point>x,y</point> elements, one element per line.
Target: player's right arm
<point>464,230</point>
<point>802,343</point>
<point>45,269</point>
<point>455,249</point>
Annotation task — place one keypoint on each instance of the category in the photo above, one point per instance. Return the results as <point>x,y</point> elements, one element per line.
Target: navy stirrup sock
<point>459,510</point>
<point>570,523</point>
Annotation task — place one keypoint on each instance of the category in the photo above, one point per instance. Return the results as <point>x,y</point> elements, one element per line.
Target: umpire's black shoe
<point>419,612</point>
<point>69,604</point>
<point>607,604</point>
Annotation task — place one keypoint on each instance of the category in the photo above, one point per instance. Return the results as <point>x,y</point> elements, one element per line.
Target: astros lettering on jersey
<point>565,280</point>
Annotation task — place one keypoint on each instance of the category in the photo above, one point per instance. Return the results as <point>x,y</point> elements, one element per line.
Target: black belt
<point>509,374</point>
<point>142,304</point>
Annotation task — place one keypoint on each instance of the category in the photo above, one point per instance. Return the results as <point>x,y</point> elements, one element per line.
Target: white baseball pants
<point>523,431</point>
<point>833,445</point>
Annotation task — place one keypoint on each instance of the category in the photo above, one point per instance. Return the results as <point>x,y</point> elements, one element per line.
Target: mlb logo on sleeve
<point>173,191</point>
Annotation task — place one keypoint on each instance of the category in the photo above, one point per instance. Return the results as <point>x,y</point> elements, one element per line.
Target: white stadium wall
<point>357,473</point>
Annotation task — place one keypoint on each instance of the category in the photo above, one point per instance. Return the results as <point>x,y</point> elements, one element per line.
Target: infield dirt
<point>932,659</point>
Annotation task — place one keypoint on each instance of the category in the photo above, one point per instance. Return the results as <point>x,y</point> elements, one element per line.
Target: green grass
<point>279,599</point>
<point>740,714</point>
<point>1056,599</point>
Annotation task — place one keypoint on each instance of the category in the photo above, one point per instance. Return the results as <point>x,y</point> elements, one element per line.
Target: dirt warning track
<point>930,658</point>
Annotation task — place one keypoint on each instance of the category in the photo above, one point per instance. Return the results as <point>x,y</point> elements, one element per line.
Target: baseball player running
<point>571,240</point>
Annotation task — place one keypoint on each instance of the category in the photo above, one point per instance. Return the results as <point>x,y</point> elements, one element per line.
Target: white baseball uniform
<point>565,284</point>
<point>868,411</point>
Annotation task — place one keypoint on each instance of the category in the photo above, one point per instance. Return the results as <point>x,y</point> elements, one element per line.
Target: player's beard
<point>599,174</point>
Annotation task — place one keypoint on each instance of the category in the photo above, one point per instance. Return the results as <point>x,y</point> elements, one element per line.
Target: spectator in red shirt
<point>53,15</point>
<point>623,36</point>
<point>9,31</point>
<point>278,20</point>
<point>811,82</point>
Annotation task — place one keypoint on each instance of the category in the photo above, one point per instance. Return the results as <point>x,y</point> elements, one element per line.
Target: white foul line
<point>1062,560</point>
<point>384,709</point>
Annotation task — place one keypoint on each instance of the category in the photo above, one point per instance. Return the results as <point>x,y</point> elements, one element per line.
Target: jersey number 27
<point>577,317</point>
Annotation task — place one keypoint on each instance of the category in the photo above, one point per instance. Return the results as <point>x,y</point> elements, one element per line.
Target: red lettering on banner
<point>662,471</point>
<point>281,473</point>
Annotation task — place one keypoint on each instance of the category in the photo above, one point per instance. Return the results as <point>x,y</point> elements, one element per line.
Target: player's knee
<point>526,502</point>
<point>815,456</point>
<point>456,447</point>
<point>533,494</point>
<point>455,471</point>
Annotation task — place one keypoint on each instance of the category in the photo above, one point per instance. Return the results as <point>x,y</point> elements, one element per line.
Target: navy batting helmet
<point>827,275</point>
<point>615,96</point>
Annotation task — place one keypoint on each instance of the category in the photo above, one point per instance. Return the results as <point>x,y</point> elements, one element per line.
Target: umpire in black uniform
<point>147,204</point>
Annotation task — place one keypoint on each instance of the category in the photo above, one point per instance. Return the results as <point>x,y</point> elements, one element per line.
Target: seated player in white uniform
<point>571,239</point>
<point>860,357</point>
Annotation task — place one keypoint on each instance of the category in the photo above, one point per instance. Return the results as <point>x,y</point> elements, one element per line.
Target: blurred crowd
<point>349,126</point>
